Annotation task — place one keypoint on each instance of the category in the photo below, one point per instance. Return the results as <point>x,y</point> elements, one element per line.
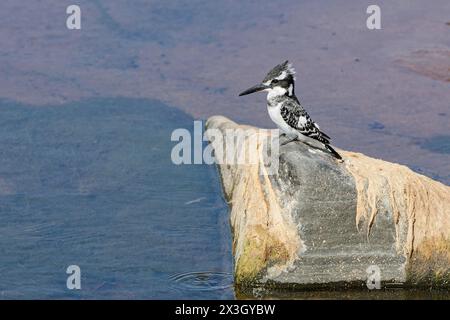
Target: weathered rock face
<point>320,222</point>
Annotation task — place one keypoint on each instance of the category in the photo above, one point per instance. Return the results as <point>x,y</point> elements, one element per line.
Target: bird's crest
<point>280,72</point>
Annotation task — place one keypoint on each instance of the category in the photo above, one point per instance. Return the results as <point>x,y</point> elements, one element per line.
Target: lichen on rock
<point>420,205</point>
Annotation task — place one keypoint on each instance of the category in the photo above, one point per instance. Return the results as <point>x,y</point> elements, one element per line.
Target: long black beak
<point>256,88</point>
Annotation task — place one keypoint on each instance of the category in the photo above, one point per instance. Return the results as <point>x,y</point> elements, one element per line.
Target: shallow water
<point>381,92</point>
<point>92,184</point>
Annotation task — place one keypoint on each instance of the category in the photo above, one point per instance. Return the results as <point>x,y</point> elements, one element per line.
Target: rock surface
<point>320,222</point>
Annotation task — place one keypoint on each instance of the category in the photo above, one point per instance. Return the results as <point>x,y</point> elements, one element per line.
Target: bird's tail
<point>333,152</point>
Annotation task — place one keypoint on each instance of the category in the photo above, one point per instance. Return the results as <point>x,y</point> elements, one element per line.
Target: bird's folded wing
<point>297,118</point>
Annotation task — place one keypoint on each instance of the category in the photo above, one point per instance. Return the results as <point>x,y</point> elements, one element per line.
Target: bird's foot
<point>288,141</point>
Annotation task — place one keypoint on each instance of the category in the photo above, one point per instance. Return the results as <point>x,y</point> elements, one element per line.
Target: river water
<point>92,184</point>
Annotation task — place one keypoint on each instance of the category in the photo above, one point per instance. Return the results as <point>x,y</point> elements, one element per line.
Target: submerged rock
<point>319,222</point>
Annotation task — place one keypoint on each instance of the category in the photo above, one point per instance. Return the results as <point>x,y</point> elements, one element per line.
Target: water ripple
<point>202,281</point>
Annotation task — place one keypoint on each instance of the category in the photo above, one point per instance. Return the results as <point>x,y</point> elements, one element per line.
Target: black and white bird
<point>287,112</point>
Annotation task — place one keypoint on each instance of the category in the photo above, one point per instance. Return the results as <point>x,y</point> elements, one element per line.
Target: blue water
<point>92,184</point>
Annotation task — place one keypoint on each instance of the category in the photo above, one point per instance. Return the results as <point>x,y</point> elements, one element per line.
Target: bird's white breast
<point>275,115</point>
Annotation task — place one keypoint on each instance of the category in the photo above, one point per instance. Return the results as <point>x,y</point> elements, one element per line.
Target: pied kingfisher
<point>287,112</point>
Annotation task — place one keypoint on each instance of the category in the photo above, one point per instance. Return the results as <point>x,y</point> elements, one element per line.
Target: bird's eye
<point>275,81</point>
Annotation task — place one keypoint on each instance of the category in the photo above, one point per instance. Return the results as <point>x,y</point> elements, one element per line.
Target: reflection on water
<point>92,184</point>
<point>350,294</point>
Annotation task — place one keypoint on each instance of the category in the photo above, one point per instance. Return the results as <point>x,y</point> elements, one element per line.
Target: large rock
<point>320,222</point>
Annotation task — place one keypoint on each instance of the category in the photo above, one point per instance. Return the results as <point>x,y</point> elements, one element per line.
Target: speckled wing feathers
<point>297,118</point>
